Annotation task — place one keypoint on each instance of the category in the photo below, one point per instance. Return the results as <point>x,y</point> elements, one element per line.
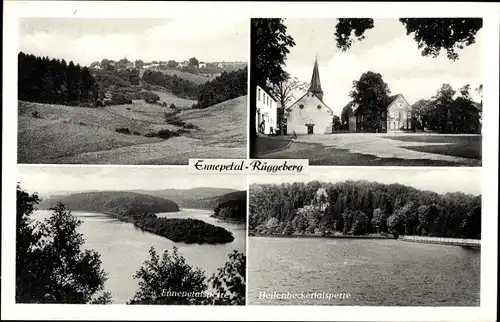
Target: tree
<point>169,280</point>
<point>344,116</point>
<point>336,124</point>
<point>431,34</point>
<point>471,225</point>
<point>285,92</point>
<point>422,112</point>
<point>139,63</point>
<point>272,225</point>
<point>371,94</point>
<point>229,284</point>
<point>193,62</point>
<point>270,46</point>
<point>379,219</point>
<point>441,111</point>
<point>51,266</point>
<point>423,219</point>
<point>172,64</point>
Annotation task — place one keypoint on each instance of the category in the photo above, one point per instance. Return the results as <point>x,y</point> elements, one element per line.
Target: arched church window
<point>319,106</point>
<point>301,106</point>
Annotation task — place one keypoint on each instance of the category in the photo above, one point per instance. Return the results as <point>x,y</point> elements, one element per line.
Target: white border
<point>245,10</point>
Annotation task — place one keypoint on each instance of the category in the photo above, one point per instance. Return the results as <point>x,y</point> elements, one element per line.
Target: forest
<point>178,86</point>
<point>187,230</point>
<point>224,87</point>
<point>54,81</point>
<point>112,202</point>
<point>233,208</point>
<point>361,208</point>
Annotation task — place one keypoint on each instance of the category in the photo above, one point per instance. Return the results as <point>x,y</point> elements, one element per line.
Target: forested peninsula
<point>140,210</point>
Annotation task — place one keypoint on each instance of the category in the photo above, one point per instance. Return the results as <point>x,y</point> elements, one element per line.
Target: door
<point>310,129</point>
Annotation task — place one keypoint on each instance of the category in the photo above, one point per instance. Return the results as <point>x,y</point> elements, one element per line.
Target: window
<point>301,106</point>
<point>258,94</point>
<point>409,115</point>
<point>319,107</point>
<point>396,114</point>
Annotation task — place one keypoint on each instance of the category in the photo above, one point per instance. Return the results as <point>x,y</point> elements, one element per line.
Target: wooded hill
<point>362,207</point>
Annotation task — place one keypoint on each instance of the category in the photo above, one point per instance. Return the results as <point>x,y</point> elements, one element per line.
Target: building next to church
<point>309,114</point>
<point>266,120</point>
<point>396,117</point>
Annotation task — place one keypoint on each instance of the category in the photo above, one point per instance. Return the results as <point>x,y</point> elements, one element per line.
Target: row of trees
<point>234,209</point>
<point>224,87</point>
<point>53,267</point>
<point>448,112</point>
<point>178,86</point>
<point>360,208</point>
<point>54,81</point>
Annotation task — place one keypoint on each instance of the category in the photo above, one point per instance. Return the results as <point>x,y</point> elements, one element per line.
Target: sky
<point>85,40</point>
<point>440,180</point>
<point>386,50</point>
<point>47,180</point>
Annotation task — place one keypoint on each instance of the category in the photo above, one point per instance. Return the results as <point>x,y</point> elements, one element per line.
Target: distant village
<point>187,65</point>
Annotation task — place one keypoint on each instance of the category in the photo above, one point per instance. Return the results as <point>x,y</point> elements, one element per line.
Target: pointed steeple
<point>315,86</point>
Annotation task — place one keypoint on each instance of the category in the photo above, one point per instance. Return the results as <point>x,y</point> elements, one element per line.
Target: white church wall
<point>298,117</point>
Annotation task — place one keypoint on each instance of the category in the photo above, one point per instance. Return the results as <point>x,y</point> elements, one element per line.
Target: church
<point>309,114</point>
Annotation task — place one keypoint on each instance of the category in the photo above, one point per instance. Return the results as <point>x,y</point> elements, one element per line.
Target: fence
<point>442,240</point>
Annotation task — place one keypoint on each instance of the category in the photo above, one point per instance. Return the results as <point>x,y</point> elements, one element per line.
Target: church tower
<point>315,86</point>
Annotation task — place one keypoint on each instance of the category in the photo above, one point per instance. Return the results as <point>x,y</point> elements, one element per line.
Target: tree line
<point>360,208</point>
<point>53,267</point>
<point>178,86</point>
<point>444,112</point>
<point>232,209</point>
<point>224,87</point>
<point>55,81</point>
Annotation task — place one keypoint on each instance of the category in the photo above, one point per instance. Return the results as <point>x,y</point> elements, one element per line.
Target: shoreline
<point>250,234</point>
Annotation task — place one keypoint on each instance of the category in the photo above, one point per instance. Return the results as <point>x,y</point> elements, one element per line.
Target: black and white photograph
<point>92,235</point>
<point>362,91</point>
<point>384,237</point>
<point>131,91</point>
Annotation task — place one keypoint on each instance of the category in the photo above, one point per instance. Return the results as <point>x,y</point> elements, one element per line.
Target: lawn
<point>265,144</point>
<point>321,155</point>
<point>458,146</point>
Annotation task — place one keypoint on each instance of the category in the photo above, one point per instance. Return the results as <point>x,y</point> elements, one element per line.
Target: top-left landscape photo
<point>131,91</point>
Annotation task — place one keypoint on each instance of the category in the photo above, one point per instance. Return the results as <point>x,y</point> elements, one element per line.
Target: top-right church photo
<point>361,92</point>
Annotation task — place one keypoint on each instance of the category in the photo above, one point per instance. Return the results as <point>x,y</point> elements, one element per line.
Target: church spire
<point>315,86</point>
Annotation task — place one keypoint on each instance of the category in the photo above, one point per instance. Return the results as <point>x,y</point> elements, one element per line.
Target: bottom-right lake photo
<point>365,237</point>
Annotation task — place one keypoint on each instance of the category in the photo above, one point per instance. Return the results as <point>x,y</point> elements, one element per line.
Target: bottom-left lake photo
<point>130,235</point>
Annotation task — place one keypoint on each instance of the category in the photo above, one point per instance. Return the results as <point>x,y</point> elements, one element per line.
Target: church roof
<point>315,86</point>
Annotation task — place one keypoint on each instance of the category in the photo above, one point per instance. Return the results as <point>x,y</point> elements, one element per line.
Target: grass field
<point>63,134</point>
<point>459,146</point>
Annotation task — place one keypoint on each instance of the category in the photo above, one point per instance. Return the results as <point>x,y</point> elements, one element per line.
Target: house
<point>183,64</point>
<point>220,65</point>
<point>202,65</point>
<point>396,117</point>
<point>266,120</point>
<point>309,114</point>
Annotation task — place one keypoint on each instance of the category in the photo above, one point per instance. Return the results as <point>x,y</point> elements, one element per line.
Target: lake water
<point>374,272</point>
<point>124,248</point>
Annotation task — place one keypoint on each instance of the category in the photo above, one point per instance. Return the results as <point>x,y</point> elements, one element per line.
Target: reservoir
<point>375,272</point>
<point>124,248</point>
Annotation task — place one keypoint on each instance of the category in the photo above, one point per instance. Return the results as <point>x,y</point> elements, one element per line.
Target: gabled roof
<point>289,108</point>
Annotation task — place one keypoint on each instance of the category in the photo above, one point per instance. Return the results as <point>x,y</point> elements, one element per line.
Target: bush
<point>36,115</point>
<point>189,126</point>
<point>172,106</point>
<point>166,134</point>
<point>120,99</point>
<point>136,133</point>
<point>151,135</point>
<point>124,130</point>
<point>164,104</point>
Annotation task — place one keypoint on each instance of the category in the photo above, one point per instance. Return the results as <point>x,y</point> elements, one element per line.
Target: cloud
<point>210,40</point>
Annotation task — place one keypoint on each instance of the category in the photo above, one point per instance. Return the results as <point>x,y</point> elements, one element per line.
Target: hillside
<point>202,198</point>
<point>112,202</point>
<point>232,206</point>
<point>50,133</point>
<point>194,78</point>
<point>229,118</point>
